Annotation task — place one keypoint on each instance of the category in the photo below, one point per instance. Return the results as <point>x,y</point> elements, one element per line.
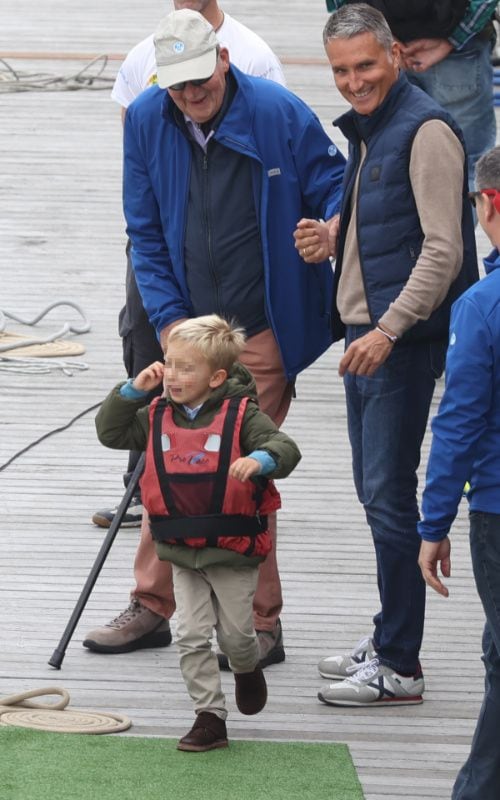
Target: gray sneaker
<point>336,668</point>
<point>134,629</point>
<point>374,684</point>
<point>271,648</point>
<point>131,519</point>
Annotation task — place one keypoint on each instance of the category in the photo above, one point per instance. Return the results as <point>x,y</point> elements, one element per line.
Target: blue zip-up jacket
<point>297,172</point>
<point>390,236</point>
<point>466,430</point>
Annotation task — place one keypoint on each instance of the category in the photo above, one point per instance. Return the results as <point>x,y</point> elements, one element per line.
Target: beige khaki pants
<point>220,598</point>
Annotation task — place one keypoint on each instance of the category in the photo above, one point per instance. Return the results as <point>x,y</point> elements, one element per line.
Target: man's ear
<point>490,206</point>
<point>218,378</point>
<point>224,57</point>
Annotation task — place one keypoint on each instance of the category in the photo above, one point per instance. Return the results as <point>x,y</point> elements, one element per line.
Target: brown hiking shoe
<point>134,629</point>
<point>250,691</point>
<point>208,733</point>
<point>271,648</point>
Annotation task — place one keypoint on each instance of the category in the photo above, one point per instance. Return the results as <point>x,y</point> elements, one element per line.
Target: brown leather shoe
<point>134,629</point>
<point>250,691</point>
<point>208,733</point>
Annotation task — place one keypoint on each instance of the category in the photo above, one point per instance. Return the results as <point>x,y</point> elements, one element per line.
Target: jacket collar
<point>237,119</point>
<point>239,383</point>
<point>363,126</point>
<point>492,261</point>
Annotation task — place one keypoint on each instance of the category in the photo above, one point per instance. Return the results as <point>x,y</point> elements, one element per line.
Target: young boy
<point>207,449</point>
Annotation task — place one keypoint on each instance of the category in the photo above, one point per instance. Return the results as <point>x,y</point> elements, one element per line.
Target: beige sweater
<point>436,176</point>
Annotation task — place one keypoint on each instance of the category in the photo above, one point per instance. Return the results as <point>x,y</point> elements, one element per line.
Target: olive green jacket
<point>123,424</point>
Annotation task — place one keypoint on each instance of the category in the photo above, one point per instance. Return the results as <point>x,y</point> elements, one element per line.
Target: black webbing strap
<point>168,498</point>
<point>226,446</point>
<point>208,526</point>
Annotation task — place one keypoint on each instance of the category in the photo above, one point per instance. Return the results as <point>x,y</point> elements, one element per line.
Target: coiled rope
<point>39,364</point>
<point>19,711</point>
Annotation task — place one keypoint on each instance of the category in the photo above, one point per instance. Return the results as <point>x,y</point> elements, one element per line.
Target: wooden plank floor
<point>61,237</point>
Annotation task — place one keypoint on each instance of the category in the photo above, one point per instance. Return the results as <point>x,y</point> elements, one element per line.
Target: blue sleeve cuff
<point>129,392</point>
<point>266,462</point>
<point>432,535</point>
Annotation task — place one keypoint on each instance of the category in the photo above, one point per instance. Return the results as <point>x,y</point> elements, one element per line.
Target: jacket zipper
<point>206,214</point>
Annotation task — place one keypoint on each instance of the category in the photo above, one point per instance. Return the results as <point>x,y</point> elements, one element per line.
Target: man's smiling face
<point>363,70</point>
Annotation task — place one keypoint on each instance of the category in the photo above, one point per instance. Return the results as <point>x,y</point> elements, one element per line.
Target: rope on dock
<point>16,349</point>
<point>20,711</point>
<point>89,77</point>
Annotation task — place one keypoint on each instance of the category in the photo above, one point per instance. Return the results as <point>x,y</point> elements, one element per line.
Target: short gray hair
<point>488,170</point>
<point>355,19</point>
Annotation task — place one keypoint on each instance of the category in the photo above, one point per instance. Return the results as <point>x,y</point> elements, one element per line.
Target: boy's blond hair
<point>220,342</point>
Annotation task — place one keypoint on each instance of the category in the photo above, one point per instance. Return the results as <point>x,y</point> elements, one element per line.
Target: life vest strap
<point>206,526</point>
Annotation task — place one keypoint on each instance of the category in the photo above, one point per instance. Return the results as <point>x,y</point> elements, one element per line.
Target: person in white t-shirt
<point>145,622</point>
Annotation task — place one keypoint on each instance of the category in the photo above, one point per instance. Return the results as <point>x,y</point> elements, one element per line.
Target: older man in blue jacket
<point>217,174</point>
<point>219,167</point>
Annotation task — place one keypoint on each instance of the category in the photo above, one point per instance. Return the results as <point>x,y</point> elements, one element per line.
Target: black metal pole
<point>60,651</point>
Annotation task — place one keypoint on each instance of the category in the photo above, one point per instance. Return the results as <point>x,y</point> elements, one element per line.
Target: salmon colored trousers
<point>154,585</point>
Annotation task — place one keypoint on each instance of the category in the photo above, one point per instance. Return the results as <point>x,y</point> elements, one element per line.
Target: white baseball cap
<point>185,48</point>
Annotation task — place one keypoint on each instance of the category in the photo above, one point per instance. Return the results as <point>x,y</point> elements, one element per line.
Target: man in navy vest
<point>400,263</point>
<point>446,47</point>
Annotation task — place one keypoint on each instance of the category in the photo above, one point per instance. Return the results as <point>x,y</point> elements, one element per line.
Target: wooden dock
<point>62,237</point>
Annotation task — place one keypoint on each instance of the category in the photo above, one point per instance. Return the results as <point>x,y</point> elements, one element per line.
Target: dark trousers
<point>387,417</point>
<point>479,778</point>
<point>140,346</point>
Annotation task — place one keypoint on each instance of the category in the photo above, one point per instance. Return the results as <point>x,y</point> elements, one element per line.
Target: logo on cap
<point>178,47</point>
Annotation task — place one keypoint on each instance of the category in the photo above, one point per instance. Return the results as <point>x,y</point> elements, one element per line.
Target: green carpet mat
<point>35,765</point>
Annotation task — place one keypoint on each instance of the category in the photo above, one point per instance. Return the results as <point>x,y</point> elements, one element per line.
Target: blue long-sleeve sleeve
<point>462,418</point>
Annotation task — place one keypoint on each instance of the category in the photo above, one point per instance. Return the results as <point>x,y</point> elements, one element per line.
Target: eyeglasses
<point>179,87</point>
<point>489,192</point>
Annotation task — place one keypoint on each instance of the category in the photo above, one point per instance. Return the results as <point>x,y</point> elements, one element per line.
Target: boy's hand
<point>243,468</point>
<point>149,378</point>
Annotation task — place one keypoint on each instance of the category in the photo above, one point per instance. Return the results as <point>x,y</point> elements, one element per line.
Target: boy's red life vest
<point>187,491</point>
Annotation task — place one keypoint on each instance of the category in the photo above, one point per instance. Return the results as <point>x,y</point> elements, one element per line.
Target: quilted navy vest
<point>389,234</point>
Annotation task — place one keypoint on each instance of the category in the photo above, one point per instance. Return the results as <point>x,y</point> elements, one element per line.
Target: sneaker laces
<point>365,671</point>
<point>363,644</point>
<point>134,610</point>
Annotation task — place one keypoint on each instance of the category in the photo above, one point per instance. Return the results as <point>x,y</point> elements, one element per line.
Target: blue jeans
<point>387,417</point>
<point>462,83</point>
<point>479,778</point>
